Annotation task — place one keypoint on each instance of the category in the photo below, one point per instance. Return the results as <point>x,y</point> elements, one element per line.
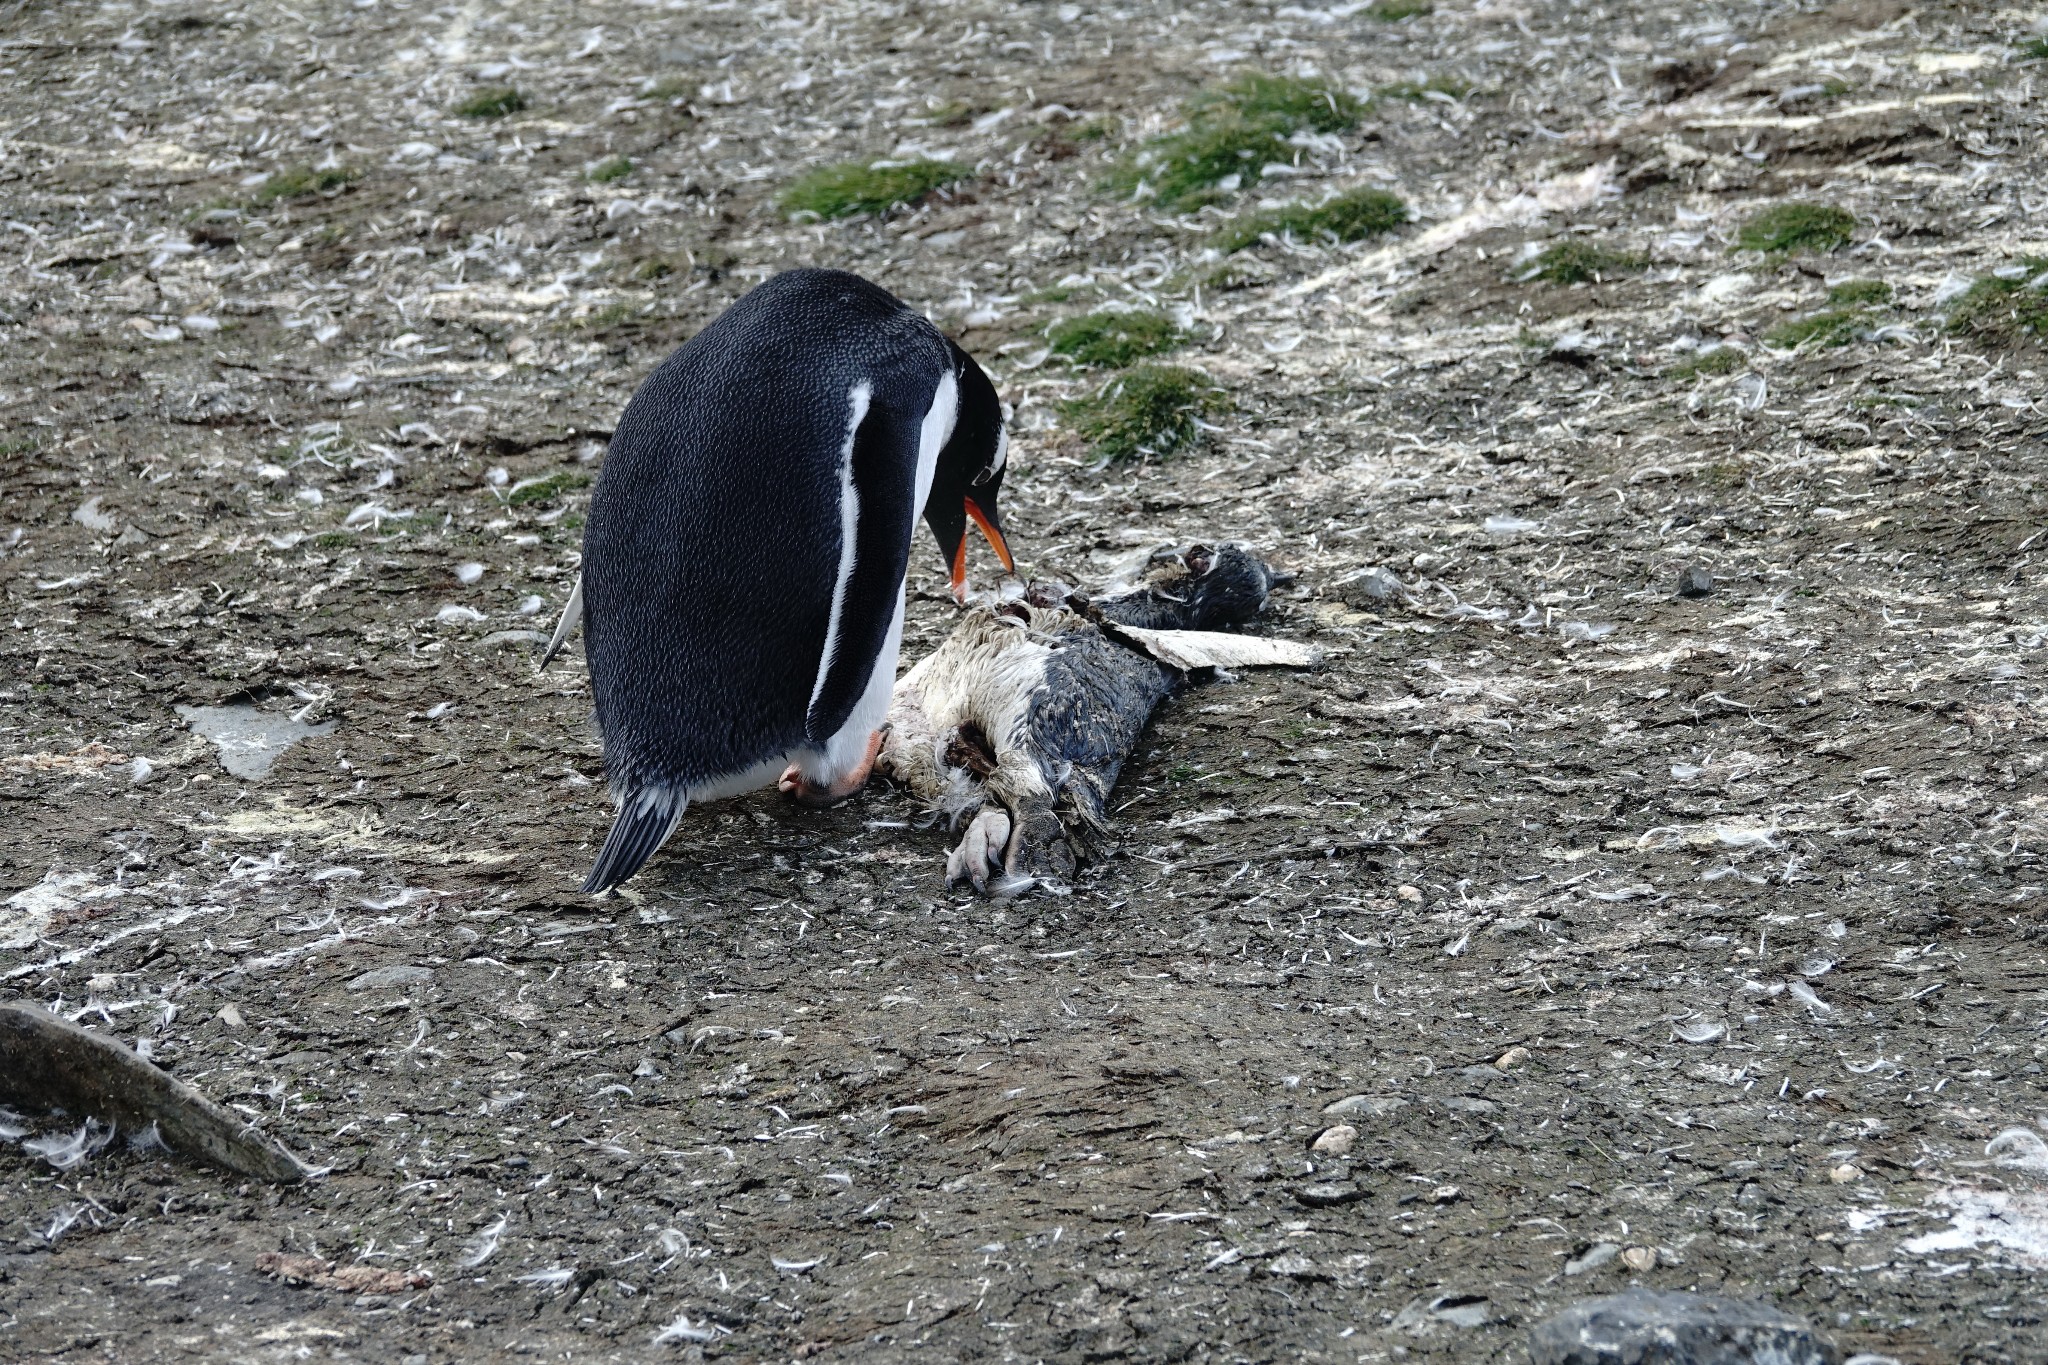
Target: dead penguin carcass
<point>1020,722</point>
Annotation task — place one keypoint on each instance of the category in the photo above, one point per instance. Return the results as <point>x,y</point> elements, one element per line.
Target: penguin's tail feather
<point>647,816</point>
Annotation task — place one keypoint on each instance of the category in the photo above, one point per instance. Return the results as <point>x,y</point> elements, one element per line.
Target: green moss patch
<point>610,169</point>
<point>2007,307</point>
<point>605,318</point>
<point>1719,360</point>
<point>493,103</point>
<point>301,182</point>
<point>1347,218</point>
<point>1153,410</point>
<point>1835,327</point>
<point>527,492</point>
<point>853,187</point>
<point>954,113</point>
<point>1787,229</point>
<point>1412,91</point>
<point>2034,50</point>
<point>1058,293</point>
<point>1190,169</point>
<point>1852,317</point>
<point>1393,11</point>
<point>1860,293</point>
<point>1284,101</point>
<point>1114,339</point>
<point>1576,261</point>
<point>1233,134</point>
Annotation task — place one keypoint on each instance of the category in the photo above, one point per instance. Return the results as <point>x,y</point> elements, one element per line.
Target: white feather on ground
<point>1190,649</point>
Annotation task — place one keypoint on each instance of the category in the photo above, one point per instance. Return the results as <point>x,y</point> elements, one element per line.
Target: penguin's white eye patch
<point>995,466</point>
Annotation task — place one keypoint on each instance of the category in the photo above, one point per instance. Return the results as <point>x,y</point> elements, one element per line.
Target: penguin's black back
<point>713,542</point>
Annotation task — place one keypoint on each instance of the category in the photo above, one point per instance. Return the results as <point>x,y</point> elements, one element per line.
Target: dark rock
<point>1695,582</point>
<point>1328,1196</point>
<point>1658,1327</point>
<point>51,1063</point>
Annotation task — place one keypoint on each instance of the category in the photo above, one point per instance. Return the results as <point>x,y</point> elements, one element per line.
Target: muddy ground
<point>1693,942</point>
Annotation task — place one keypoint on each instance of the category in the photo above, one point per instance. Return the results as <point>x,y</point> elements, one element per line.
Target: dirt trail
<point>1689,941</point>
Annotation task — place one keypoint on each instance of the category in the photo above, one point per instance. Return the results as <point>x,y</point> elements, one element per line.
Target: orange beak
<point>994,535</point>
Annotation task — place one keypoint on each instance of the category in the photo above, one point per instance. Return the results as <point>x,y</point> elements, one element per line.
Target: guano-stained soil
<point>1693,942</point>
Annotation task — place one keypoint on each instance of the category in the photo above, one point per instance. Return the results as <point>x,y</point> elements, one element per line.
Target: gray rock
<point>1376,587</point>
<point>1328,1196</point>
<point>383,978</point>
<point>1363,1106</point>
<point>1695,582</point>
<point>1659,1327</point>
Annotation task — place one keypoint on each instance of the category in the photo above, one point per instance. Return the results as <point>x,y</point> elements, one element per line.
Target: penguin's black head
<point>969,474</point>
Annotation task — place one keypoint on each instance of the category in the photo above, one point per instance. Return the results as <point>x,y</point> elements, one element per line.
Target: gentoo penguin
<point>744,558</point>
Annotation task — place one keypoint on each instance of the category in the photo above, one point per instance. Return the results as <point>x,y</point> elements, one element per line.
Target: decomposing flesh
<point>1018,724</point>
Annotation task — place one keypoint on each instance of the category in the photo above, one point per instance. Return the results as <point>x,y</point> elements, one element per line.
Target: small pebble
<point>1409,893</point>
<point>1844,1173</point>
<point>1695,582</point>
<point>1445,1194</point>
<point>1512,1058</point>
<point>1640,1258</point>
<point>469,573</point>
<point>1379,586</point>
<point>230,1016</point>
<point>1336,1141</point>
<point>1328,1196</point>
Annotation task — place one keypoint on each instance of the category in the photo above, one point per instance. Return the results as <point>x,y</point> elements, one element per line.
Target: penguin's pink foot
<point>797,787</point>
<point>980,854</point>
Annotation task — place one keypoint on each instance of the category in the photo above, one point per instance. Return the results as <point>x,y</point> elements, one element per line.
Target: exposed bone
<point>48,1062</point>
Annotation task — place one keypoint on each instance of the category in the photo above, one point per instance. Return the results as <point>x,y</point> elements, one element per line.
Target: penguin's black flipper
<point>647,816</point>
